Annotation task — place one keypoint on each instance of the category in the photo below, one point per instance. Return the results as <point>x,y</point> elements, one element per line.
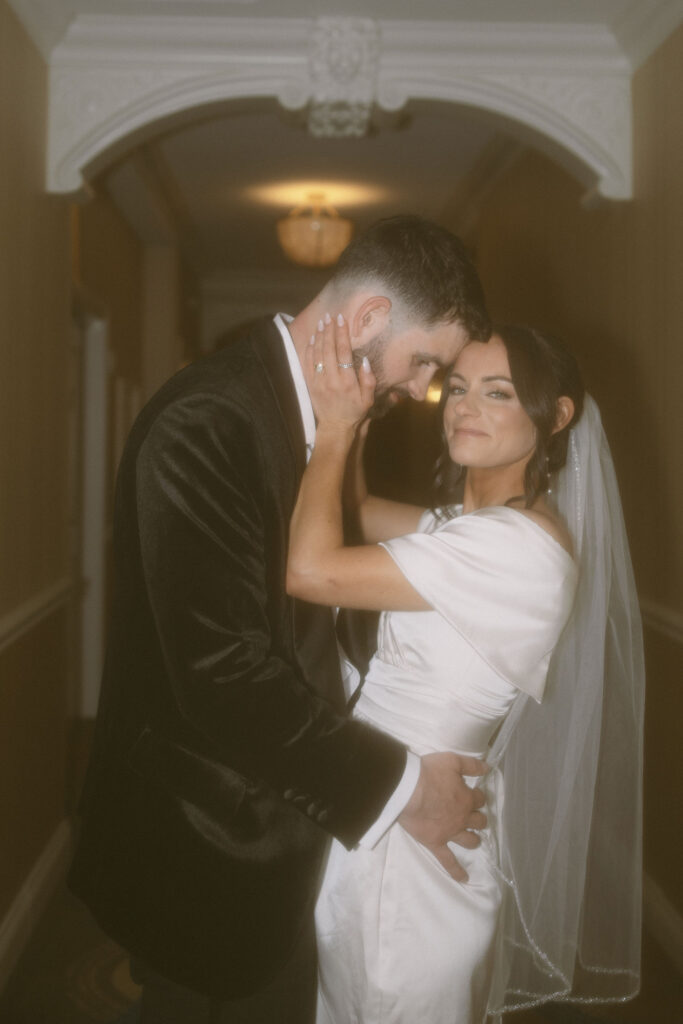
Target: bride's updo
<point>542,371</point>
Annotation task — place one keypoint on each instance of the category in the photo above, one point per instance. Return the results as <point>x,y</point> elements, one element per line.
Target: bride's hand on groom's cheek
<point>340,394</point>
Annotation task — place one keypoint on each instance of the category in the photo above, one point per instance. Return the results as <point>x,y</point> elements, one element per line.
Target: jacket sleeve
<point>207,557</point>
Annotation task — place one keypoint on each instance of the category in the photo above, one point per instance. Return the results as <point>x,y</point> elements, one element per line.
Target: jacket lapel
<point>314,635</point>
<point>270,350</point>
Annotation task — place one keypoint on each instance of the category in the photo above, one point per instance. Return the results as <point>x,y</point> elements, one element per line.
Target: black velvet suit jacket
<point>222,753</point>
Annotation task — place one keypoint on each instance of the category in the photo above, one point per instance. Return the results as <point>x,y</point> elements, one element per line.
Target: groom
<point>223,757</point>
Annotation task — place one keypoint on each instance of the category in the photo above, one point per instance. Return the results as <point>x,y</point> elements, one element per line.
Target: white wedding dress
<point>400,942</point>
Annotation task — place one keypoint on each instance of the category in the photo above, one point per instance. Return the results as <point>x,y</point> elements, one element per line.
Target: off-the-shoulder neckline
<point>520,515</point>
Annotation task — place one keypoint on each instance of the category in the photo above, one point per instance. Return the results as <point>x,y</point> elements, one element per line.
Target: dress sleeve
<point>501,581</point>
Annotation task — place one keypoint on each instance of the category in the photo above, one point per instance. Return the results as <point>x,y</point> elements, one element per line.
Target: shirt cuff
<point>349,673</point>
<point>395,804</point>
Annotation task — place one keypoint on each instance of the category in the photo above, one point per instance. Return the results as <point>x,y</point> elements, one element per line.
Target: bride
<point>475,599</point>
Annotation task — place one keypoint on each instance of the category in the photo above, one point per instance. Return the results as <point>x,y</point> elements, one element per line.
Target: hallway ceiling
<point>211,174</point>
<point>196,181</point>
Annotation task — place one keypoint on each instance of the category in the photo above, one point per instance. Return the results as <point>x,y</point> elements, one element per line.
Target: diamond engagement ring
<point>319,367</point>
<point>345,366</point>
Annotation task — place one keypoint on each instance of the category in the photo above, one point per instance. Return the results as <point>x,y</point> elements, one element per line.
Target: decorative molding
<point>661,619</point>
<point>111,77</point>
<point>589,120</point>
<point>663,921</point>
<point>16,623</point>
<point>187,38</point>
<point>644,26</point>
<point>343,63</point>
<point>639,27</point>
<point>28,905</point>
<point>45,24</point>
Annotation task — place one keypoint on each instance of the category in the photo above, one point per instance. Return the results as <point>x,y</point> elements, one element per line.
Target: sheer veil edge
<point>569,832</point>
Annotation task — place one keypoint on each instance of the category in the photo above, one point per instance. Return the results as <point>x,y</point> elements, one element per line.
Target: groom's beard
<point>386,397</point>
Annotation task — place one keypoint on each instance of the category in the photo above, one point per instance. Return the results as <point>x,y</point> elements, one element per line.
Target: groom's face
<point>405,361</point>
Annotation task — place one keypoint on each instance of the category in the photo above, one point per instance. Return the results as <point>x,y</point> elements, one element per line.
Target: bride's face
<point>485,424</point>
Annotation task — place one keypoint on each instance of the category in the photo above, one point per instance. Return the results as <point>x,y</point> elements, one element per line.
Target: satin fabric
<point>399,940</point>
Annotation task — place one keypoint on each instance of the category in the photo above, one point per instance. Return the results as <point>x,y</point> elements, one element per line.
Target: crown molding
<point>44,31</point>
<point>645,25</point>
<point>485,44</point>
<point>111,77</point>
<point>117,37</point>
<point>168,37</point>
<point>640,28</point>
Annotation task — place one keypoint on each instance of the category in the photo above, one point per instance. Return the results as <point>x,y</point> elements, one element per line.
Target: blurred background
<point>170,170</point>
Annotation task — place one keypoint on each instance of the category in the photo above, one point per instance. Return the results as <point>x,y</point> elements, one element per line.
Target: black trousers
<point>289,998</point>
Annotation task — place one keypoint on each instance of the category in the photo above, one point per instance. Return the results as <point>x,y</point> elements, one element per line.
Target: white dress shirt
<point>350,676</point>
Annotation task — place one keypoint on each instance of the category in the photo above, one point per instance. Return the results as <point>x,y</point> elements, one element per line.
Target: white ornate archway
<point>113,77</point>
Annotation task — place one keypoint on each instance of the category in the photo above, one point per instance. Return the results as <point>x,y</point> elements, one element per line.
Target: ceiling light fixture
<point>337,192</point>
<point>313,234</point>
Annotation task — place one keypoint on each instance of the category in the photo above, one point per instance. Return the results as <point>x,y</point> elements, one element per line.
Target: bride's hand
<point>339,396</point>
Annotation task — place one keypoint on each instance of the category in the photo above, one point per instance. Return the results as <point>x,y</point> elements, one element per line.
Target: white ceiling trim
<point>112,76</point>
<point>645,25</point>
<point>185,38</point>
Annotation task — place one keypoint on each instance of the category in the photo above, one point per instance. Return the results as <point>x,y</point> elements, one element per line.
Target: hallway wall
<point>610,281</point>
<point>108,269</point>
<point>57,259</point>
<point>34,569</point>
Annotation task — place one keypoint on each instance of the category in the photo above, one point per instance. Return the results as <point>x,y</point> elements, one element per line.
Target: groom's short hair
<point>422,266</point>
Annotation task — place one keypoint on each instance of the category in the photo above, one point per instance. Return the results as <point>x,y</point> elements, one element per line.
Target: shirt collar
<point>281,320</point>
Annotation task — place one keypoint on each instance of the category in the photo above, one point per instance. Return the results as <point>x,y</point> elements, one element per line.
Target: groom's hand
<point>443,808</point>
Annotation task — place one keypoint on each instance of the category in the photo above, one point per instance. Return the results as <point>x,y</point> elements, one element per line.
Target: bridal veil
<point>570,834</point>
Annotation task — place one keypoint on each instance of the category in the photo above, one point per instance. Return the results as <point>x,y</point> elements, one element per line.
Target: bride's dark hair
<point>542,371</point>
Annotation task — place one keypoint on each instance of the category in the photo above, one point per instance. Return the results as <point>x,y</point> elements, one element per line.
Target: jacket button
<point>289,794</point>
<point>322,817</point>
